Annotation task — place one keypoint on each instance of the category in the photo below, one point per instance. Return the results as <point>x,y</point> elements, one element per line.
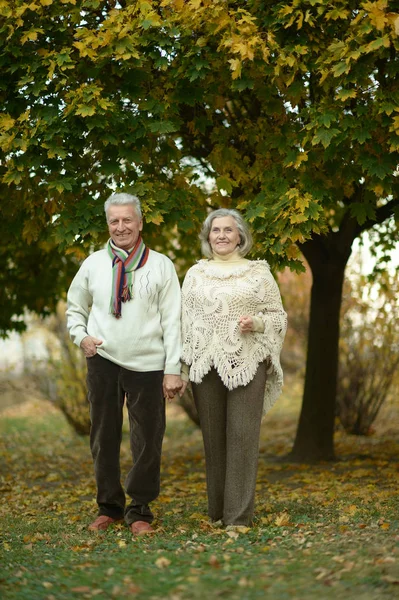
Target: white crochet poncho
<point>213,300</point>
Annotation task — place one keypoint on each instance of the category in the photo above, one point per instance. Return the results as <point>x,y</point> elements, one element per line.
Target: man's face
<point>124,225</point>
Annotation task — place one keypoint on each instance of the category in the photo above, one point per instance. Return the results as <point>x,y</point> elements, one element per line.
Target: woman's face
<point>224,236</point>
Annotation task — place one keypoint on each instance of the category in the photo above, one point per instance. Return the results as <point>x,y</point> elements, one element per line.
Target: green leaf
<point>326,118</point>
<point>362,211</point>
<point>324,136</point>
<point>361,135</point>
<point>340,68</point>
<point>242,84</point>
<point>224,183</point>
<point>85,111</point>
<point>162,127</point>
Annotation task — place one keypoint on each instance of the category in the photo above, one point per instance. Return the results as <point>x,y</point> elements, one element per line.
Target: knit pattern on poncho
<point>213,300</point>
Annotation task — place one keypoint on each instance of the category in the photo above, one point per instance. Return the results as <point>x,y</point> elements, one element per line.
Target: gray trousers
<point>230,423</point>
<point>108,386</point>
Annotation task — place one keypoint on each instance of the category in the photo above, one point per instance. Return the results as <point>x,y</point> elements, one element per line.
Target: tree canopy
<point>291,108</point>
<point>289,111</point>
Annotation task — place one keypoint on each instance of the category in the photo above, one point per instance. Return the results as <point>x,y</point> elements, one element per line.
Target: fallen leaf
<point>162,562</point>
<point>214,562</point>
<point>282,520</point>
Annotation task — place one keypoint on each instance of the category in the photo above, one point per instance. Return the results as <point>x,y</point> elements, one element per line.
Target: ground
<point>323,531</point>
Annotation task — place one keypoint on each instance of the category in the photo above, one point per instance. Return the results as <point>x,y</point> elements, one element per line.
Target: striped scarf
<point>124,264</point>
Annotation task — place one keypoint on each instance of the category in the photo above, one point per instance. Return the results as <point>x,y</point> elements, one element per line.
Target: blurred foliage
<point>62,378</point>
<point>369,340</point>
<point>286,111</point>
<point>369,350</point>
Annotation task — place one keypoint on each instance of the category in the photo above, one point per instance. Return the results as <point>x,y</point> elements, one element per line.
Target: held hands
<point>89,345</point>
<point>172,384</point>
<point>246,324</point>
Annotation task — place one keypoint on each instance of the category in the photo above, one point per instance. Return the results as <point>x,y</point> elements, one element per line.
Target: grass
<point>322,531</point>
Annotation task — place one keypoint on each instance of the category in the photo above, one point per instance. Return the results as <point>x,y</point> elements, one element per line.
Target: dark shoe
<point>141,528</point>
<point>103,522</point>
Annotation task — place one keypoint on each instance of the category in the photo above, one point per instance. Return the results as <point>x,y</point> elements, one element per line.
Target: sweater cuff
<point>172,369</point>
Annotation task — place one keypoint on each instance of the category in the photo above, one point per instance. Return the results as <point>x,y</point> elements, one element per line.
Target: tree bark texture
<point>327,258</point>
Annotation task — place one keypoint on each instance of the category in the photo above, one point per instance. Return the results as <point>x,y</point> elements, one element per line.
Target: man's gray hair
<point>243,229</point>
<point>121,200</point>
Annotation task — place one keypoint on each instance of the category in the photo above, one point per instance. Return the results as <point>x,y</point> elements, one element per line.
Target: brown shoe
<point>103,522</point>
<point>141,528</point>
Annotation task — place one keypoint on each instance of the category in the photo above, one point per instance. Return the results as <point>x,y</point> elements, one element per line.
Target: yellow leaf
<point>345,94</point>
<point>293,251</point>
<point>162,562</point>
<point>376,15</point>
<point>393,20</point>
<point>29,36</point>
<point>298,218</point>
<point>282,520</point>
<point>196,516</point>
<point>85,111</point>
<point>24,116</point>
<point>266,520</point>
<point>6,122</point>
<point>235,66</point>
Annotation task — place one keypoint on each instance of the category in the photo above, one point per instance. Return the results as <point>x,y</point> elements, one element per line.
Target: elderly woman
<point>233,326</point>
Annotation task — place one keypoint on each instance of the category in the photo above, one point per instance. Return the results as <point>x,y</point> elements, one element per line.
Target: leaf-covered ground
<point>325,531</point>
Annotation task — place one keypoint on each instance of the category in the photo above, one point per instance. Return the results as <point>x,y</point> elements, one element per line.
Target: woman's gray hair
<point>243,229</point>
<point>121,200</point>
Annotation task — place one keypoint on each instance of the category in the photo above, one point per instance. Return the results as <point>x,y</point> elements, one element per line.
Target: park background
<point>287,111</point>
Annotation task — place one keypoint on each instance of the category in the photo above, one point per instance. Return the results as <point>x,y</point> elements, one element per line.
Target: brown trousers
<point>108,386</point>
<point>230,423</point>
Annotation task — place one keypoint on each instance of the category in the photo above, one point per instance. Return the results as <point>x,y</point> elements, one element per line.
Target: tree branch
<point>382,214</point>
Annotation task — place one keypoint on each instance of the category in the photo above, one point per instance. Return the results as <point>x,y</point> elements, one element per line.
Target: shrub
<point>62,378</point>
<point>369,351</point>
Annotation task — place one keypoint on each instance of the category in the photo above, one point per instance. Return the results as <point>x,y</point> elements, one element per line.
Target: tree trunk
<point>327,258</point>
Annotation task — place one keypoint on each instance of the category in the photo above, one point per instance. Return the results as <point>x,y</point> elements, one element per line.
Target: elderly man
<point>124,312</point>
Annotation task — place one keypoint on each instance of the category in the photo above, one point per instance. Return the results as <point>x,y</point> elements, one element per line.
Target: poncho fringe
<point>211,337</point>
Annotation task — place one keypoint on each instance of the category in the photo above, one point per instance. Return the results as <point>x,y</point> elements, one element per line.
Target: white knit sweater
<point>214,297</point>
<point>147,336</point>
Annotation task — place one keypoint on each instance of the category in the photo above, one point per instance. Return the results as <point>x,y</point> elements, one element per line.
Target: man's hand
<point>171,385</point>
<point>89,345</point>
<point>246,324</point>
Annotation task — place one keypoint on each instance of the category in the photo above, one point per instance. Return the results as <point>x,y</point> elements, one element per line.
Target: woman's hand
<point>246,324</point>
<point>183,388</point>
